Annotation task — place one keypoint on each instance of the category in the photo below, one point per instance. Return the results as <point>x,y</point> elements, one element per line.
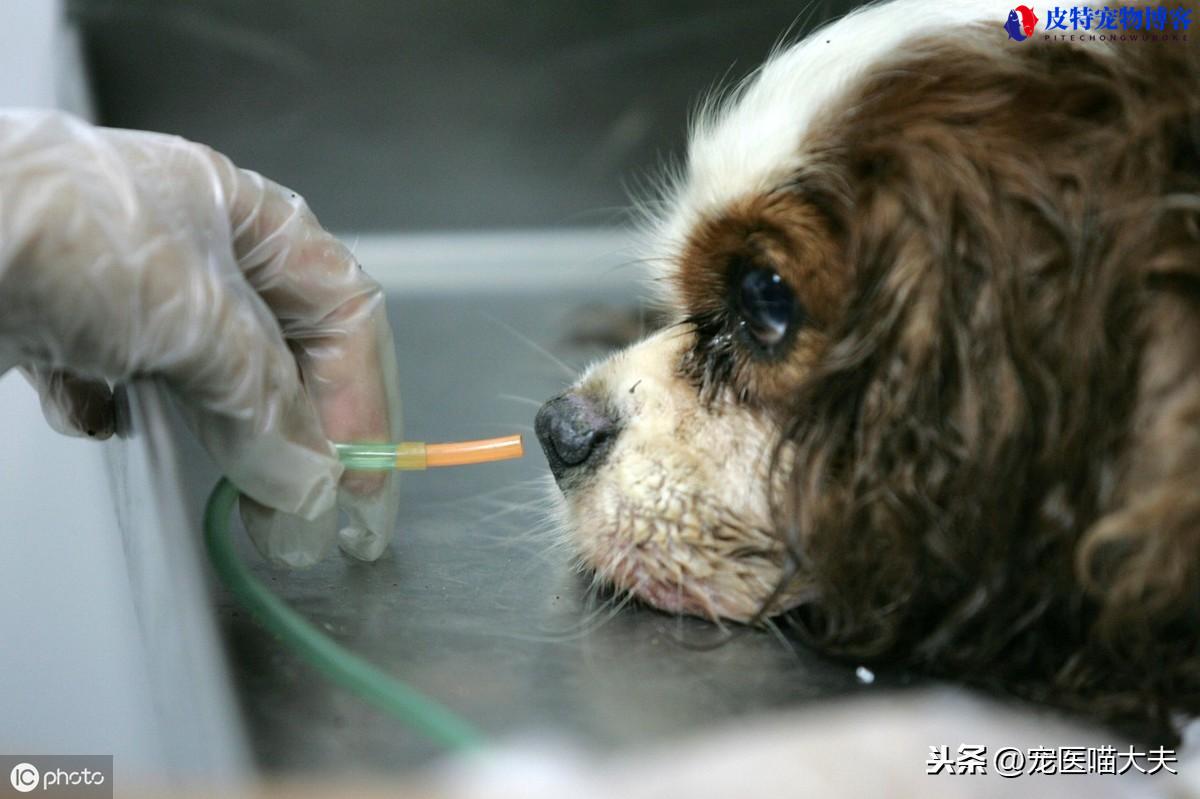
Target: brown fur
<point>997,454</point>
<point>980,454</point>
<point>787,233</point>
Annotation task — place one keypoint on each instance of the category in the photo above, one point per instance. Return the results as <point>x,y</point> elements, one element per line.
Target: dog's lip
<point>624,573</point>
<point>673,599</point>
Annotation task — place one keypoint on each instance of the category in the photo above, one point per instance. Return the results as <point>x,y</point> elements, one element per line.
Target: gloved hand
<point>127,254</point>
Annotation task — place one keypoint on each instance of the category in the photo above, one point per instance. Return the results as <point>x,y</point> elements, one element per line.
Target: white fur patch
<point>751,141</point>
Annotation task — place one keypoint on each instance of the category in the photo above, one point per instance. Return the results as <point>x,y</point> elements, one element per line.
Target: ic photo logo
<point>58,775</point>
<point>24,777</point>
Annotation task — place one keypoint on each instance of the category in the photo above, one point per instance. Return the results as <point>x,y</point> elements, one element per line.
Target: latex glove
<point>126,254</point>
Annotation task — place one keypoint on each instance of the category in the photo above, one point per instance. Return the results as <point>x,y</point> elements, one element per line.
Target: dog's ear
<point>1023,339</point>
<point>913,439</point>
<point>1141,560</point>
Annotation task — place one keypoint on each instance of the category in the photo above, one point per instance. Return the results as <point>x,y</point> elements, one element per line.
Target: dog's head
<point>928,294</point>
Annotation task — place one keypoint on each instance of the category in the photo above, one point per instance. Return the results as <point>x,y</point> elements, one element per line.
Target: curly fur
<point>982,454</point>
<point>1006,422</point>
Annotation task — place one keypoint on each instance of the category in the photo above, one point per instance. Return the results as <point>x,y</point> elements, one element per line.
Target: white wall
<point>40,58</point>
<point>109,646</point>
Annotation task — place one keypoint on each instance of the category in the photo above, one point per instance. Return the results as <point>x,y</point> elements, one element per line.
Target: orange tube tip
<point>464,453</point>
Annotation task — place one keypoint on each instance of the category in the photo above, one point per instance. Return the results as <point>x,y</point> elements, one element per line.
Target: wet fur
<point>981,456</point>
<point>1006,422</point>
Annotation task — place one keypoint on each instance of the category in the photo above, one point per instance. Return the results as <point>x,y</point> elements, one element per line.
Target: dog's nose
<point>573,431</point>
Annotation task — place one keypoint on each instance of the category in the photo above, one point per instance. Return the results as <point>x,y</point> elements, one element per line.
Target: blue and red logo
<point>1021,21</point>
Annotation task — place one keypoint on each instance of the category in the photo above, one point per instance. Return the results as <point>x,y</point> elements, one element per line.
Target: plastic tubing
<point>413,708</point>
<point>414,455</point>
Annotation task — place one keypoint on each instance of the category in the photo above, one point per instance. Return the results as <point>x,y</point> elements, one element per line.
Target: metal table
<point>473,603</point>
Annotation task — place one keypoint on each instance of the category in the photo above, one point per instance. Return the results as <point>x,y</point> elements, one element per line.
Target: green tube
<point>413,708</point>
<point>367,457</point>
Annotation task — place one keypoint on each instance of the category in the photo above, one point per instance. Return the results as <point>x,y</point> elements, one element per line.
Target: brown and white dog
<point>931,390</point>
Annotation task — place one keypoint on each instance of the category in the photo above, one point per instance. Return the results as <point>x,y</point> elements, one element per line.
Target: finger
<point>370,499</point>
<point>123,266</point>
<point>210,333</point>
<point>333,316</point>
<point>246,401</point>
<point>285,539</point>
<point>74,406</point>
<point>330,311</point>
<point>197,325</point>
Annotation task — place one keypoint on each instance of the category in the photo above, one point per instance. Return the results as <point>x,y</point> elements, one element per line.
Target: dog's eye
<point>767,306</point>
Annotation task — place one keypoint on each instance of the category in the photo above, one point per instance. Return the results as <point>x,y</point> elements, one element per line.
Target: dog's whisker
<point>567,369</point>
<point>523,400</point>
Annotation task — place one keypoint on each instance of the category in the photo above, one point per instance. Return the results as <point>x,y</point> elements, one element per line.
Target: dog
<point>929,394</point>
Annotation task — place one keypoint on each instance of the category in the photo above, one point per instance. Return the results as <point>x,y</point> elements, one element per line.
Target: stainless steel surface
<point>475,603</point>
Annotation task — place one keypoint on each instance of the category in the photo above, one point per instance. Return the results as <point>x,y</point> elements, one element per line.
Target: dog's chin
<point>637,572</point>
<point>679,553</point>
<point>666,573</point>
